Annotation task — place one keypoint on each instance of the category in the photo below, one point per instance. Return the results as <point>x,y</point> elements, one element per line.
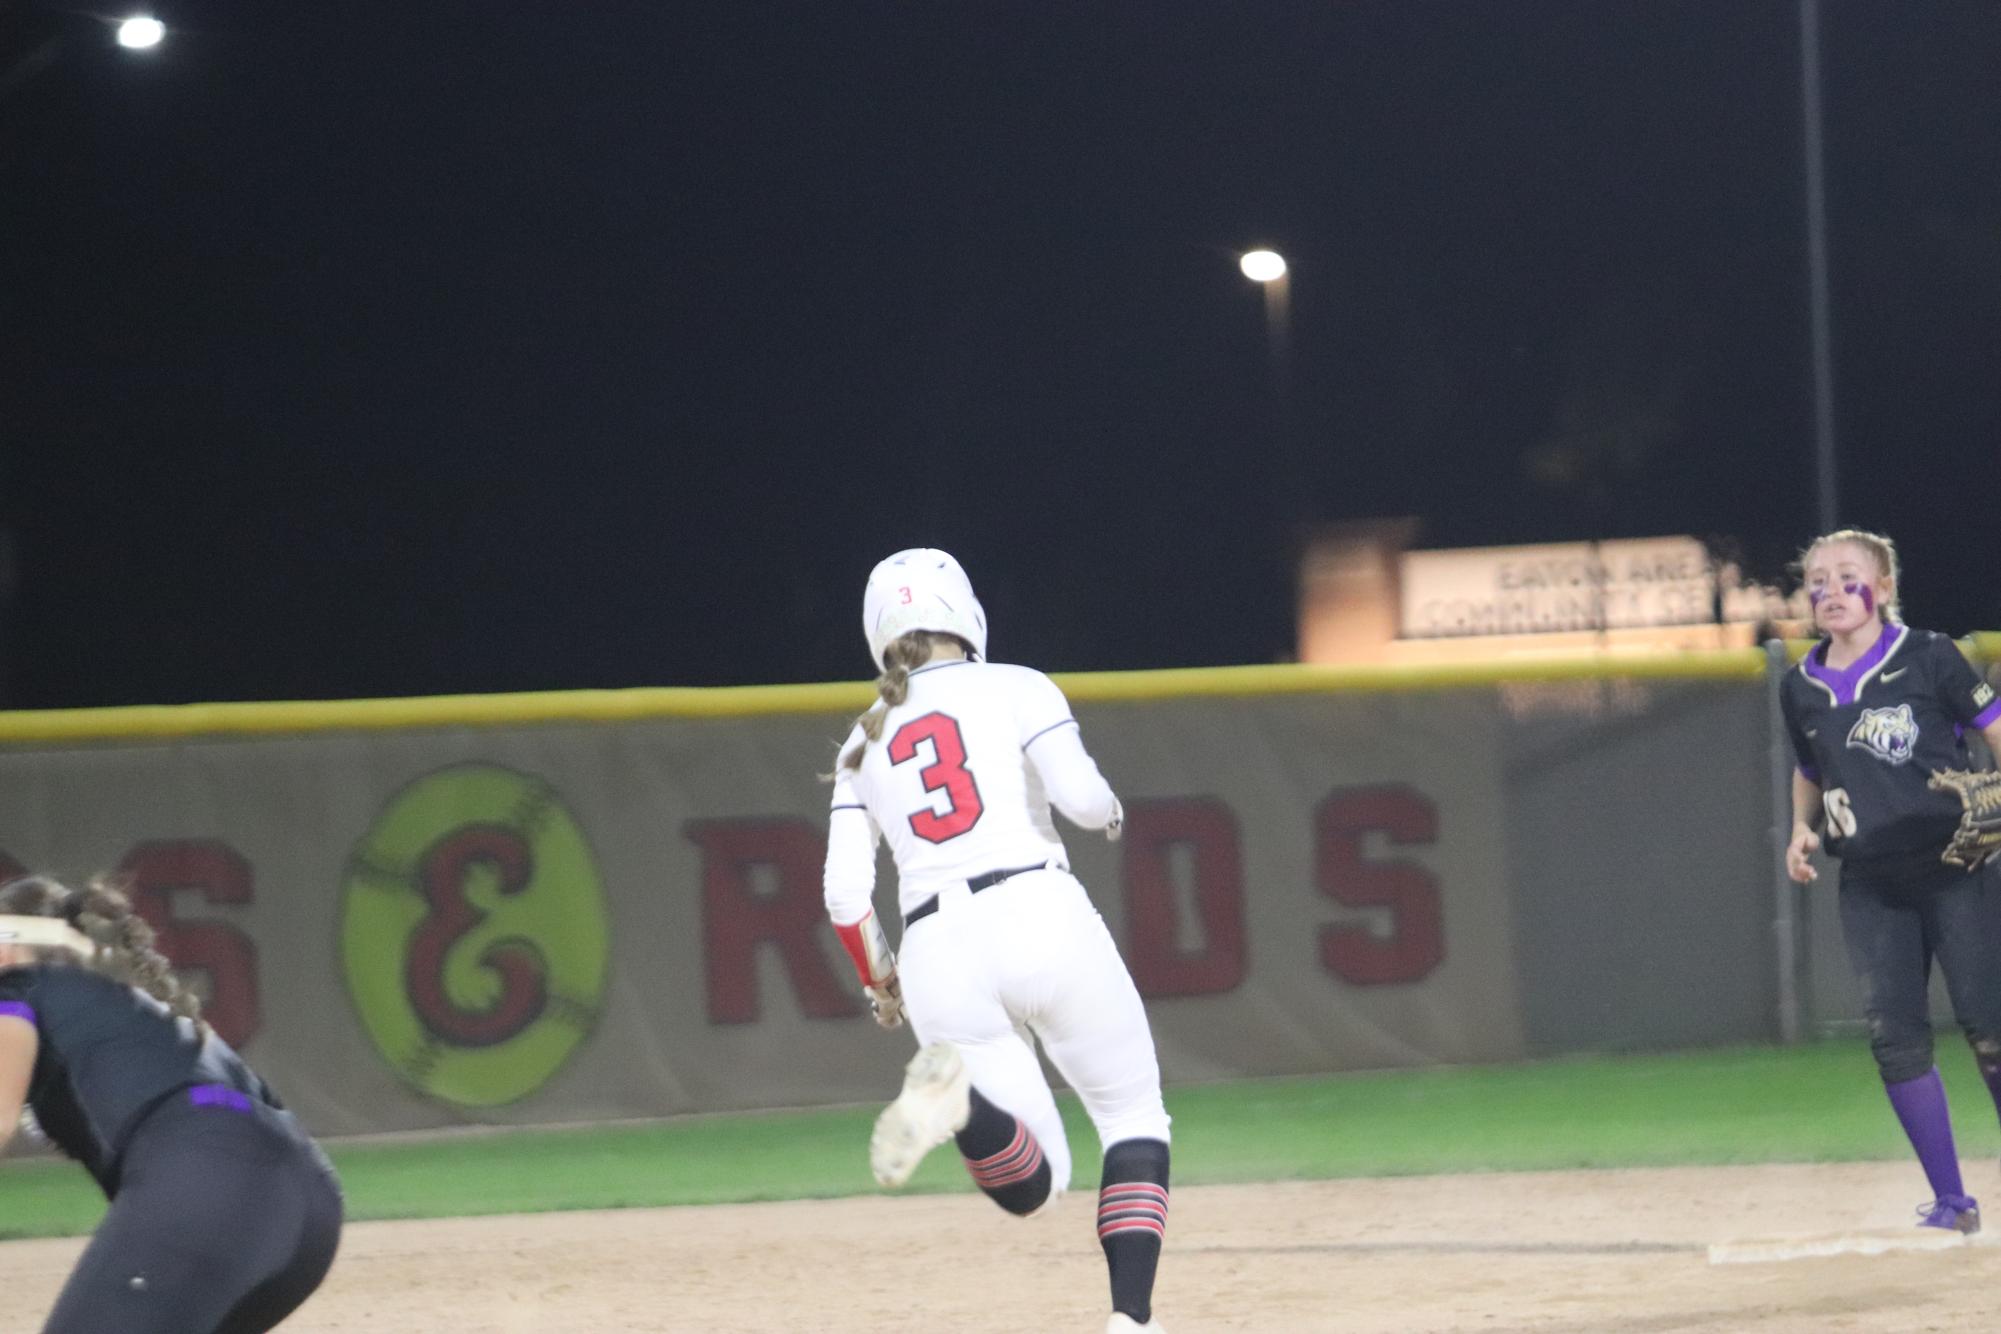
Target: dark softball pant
<point>1895,928</point>
<point>226,1218</point>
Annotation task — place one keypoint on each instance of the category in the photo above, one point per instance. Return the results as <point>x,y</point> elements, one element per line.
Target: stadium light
<point>1263,266</point>
<point>141,32</point>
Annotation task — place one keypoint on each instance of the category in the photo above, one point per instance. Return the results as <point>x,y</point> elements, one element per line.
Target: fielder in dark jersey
<point>1874,710</point>
<point>224,1216</point>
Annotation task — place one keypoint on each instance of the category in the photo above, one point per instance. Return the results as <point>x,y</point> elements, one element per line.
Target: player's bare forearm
<point>1807,809</point>
<point>1804,842</point>
<point>18,1044</point>
<point>1992,732</point>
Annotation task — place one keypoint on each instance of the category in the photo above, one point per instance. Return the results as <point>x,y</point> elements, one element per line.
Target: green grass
<point>1816,1103</point>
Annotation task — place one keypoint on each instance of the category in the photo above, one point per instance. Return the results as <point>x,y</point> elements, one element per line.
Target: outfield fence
<point>602,904</point>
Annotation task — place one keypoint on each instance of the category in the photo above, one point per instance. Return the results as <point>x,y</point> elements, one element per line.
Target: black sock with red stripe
<point>1004,1158</point>
<point>1132,1221</point>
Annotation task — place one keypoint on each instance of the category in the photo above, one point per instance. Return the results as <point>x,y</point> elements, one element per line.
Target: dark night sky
<point>398,348</point>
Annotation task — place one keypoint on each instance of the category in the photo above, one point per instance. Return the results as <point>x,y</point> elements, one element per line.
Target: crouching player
<point>224,1216</point>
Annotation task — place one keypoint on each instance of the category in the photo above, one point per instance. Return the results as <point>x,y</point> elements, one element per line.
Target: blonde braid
<point>124,943</point>
<point>904,654</point>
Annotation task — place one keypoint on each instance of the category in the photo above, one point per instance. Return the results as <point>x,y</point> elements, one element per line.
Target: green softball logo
<point>473,934</point>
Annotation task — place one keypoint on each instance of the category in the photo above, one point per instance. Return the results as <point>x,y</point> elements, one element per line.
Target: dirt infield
<point>1564,1253</point>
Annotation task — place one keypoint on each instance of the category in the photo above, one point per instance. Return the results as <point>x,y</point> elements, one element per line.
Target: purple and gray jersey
<point>107,1054</point>
<point>1872,734</point>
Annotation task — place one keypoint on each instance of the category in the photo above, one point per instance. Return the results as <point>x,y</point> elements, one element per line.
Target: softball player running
<point>957,766</point>
<point>1875,710</point>
<point>224,1216</point>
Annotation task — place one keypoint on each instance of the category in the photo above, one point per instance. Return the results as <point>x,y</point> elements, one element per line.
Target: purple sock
<point>1920,1105</point>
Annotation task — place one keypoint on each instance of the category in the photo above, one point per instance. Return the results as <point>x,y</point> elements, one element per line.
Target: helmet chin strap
<point>45,933</point>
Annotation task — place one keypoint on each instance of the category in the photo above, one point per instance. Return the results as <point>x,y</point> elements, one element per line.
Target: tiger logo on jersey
<point>1891,735</point>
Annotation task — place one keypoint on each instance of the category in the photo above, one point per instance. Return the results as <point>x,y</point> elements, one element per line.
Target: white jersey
<point>961,784</point>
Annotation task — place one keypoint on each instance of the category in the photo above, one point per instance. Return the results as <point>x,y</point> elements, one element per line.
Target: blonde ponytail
<point>904,655</point>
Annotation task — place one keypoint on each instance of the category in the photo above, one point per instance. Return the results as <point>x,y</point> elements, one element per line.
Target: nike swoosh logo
<point>1891,676</point>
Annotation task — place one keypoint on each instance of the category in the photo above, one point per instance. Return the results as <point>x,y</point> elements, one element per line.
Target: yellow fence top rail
<point>186,721</point>
<point>1297,679</point>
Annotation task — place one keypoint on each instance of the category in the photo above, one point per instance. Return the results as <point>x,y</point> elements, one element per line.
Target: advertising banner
<point>527,923</point>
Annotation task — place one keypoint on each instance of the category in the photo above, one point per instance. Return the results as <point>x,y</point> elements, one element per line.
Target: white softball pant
<point>1032,955</point>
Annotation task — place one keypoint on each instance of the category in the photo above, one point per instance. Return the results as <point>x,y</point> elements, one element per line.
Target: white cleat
<point>1121,1323</point>
<point>931,1109</point>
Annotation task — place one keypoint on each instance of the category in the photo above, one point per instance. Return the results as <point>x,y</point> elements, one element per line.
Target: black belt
<point>973,885</point>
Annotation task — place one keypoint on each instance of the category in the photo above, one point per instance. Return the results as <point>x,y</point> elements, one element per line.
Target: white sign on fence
<point>1570,586</point>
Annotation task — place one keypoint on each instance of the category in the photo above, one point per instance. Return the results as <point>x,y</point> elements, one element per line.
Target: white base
<point>1764,1250</point>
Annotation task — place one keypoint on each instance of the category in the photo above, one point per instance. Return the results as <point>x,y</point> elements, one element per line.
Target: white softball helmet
<point>921,589</point>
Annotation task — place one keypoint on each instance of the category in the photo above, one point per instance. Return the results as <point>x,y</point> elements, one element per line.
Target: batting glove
<point>886,1000</point>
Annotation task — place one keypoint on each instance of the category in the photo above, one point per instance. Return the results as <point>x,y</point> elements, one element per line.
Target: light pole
<point>1268,269</point>
<point>1820,315</point>
<point>8,578</point>
<point>139,32</point>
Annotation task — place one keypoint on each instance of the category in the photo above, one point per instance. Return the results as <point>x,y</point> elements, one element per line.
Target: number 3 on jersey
<point>948,774</point>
